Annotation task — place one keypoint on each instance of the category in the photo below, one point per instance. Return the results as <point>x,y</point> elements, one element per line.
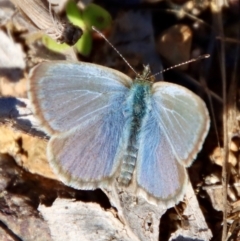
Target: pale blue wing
<point>67,93</point>
<point>158,173</point>
<point>173,134</point>
<point>183,119</point>
<point>82,106</point>
<point>86,156</point>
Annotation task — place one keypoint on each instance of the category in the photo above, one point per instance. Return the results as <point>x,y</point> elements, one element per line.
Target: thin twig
<point>219,24</point>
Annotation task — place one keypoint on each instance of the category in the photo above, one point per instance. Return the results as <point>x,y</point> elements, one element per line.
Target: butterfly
<point>106,127</point>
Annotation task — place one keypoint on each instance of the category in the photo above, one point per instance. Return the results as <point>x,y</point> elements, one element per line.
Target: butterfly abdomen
<point>138,108</point>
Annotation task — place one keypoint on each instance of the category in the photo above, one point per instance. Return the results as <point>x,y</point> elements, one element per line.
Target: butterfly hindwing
<point>84,157</point>
<point>158,172</point>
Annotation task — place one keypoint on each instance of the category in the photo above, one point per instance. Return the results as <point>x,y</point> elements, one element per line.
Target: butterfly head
<point>146,75</point>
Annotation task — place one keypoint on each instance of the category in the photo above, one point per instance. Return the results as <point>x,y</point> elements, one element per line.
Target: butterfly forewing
<point>183,119</point>
<point>64,94</point>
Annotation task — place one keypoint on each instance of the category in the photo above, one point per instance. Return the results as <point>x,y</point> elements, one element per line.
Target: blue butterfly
<point>106,127</point>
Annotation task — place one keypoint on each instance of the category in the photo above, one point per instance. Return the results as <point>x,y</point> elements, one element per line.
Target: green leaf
<point>84,44</point>
<point>74,14</point>
<point>53,45</point>
<point>94,15</point>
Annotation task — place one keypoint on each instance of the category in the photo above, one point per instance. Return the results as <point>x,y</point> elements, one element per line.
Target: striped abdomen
<point>137,108</point>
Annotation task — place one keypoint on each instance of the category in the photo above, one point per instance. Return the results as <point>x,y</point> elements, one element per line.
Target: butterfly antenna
<point>115,49</point>
<point>205,56</point>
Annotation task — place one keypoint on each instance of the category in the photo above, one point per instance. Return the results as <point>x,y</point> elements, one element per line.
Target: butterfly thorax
<point>137,107</point>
